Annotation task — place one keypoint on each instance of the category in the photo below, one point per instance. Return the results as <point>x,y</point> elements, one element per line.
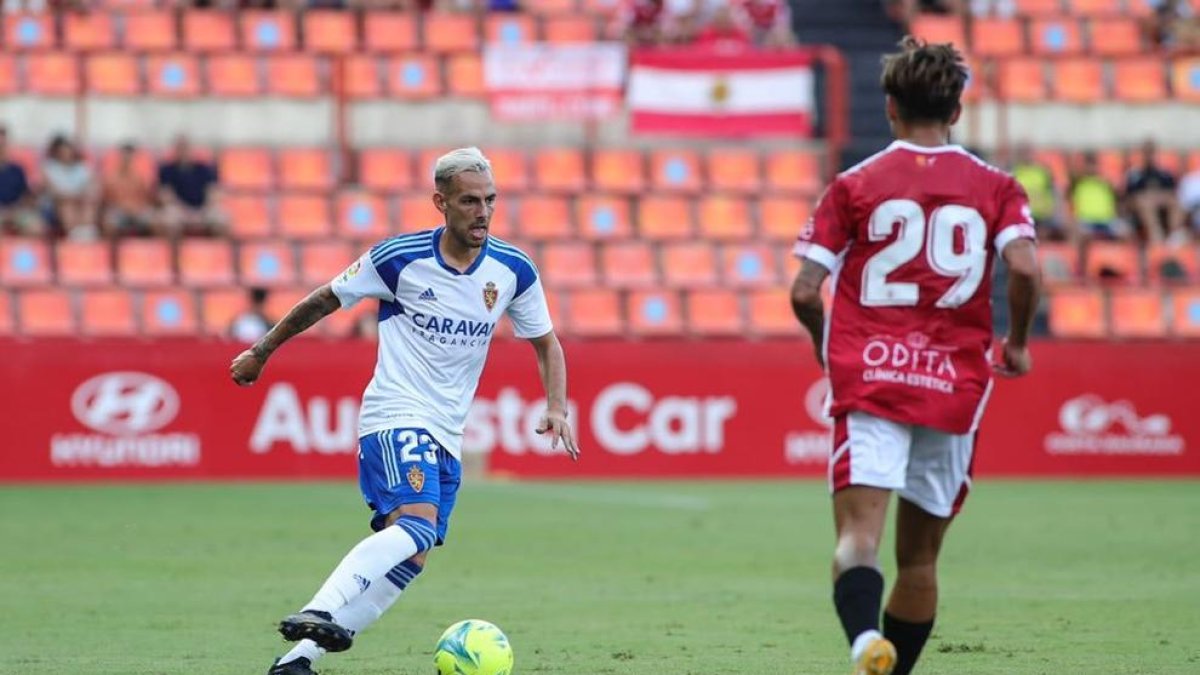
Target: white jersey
<point>435,325</point>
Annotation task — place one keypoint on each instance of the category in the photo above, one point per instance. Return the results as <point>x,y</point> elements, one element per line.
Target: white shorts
<point>929,468</point>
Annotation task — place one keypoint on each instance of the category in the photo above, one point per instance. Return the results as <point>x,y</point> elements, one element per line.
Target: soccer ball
<point>473,647</point>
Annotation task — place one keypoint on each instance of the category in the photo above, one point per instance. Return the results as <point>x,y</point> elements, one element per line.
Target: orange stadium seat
<point>247,169</point>
<point>561,7</point>
<point>1185,78</point>
<point>545,217</point>
<point>503,223</point>
<point>1096,7</point>
<point>1039,7</point>
<point>1059,263</point>
<point>1172,264</point>
<point>603,217</point>
<point>92,31</point>
<point>447,32</point>
<point>112,75</point>
<point>1141,8</point>
<point>8,324</point>
<point>176,75</point>
<point>8,75</point>
<point>689,264</point>
<point>566,29</point>
<point>725,218</point>
<point>464,75</point>
<point>654,313</point>
<point>149,31</point>
<point>938,29</point>
<point>1138,313</point>
<point>24,262</point>
<point>510,167</point>
<point>234,75</point>
<point>267,264</point>
<point>794,171</point>
<point>306,169</point>
<point>107,313</point>
<point>978,80</point>
<point>44,313</point>
<point>750,265</point>
<point>1021,80</point>
<point>144,262</point>
<point>265,31</point>
<point>206,263</point>
<point>1185,314</point>
<point>426,162</point>
<point>144,163</point>
<point>569,264</point>
<point>321,261</point>
<point>330,32</point>
<point>416,76</point>
<point>219,307</point>
<point>208,31</point>
<point>997,36</point>
<point>169,313</point>
<point>249,216</point>
<point>1078,80</point>
<point>362,216</point>
<point>1112,261</point>
<point>770,312</point>
<point>1056,161</point>
<point>1140,80</point>
<point>304,216</point>
<point>28,31</point>
<point>734,170</point>
<point>510,28</point>
<point>385,169</point>
<point>595,312</point>
<point>783,217</point>
<point>1193,161</point>
<point>559,170</point>
<point>281,300</point>
<point>84,263</point>
<point>360,77</point>
<point>662,218</point>
<point>1077,313</point>
<point>618,170</point>
<point>628,264</point>
<point>416,213</point>
<point>295,75</point>
<point>675,171</point>
<point>53,74</point>
<point>390,32</point>
<point>714,312</point>
<point>1112,165</point>
<point>1169,160</point>
<point>1055,37</point>
<point>1115,37</point>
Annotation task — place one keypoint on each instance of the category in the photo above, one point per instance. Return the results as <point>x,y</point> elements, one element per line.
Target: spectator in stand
<point>127,199</point>
<point>1173,24</point>
<point>1093,202</point>
<point>1001,8</point>
<point>69,201</point>
<point>725,31</point>
<point>252,324</point>
<point>189,190</point>
<point>1189,198</point>
<point>642,23</point>
<point>1039,186</point>
<point>770,22</point>
<point>1150,190</point>
<point>18,211</point>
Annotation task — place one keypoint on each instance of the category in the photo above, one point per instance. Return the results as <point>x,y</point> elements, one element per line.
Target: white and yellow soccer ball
<point>473,647</point>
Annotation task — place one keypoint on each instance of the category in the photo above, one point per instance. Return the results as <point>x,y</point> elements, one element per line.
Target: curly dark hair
<point>926,81</point>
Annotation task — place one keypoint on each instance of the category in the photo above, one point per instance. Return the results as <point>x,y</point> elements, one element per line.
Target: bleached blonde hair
<point>459,161</point>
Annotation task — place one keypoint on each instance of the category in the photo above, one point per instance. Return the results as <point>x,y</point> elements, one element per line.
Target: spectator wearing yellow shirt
<point>1094,204</point>
<point>1043,196</point>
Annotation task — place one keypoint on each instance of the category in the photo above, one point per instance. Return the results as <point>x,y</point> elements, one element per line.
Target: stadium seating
<point>169,312</point>
<point>84,263</point>
<point>1077,313</point>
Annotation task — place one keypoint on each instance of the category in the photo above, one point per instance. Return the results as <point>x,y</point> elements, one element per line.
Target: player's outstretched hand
<point>1017,361</point>
<point>556,424</point>
<point>246,368</point>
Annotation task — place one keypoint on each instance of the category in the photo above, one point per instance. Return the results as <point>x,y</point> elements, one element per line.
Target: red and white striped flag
<point>701,92</point>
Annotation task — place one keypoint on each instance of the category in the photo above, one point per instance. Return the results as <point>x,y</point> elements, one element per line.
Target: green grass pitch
<point>592,578</point>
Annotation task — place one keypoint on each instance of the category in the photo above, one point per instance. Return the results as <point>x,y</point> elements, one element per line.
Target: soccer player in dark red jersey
<point>909,236</point>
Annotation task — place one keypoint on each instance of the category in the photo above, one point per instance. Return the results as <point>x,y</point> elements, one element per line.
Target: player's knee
<point>920,578</point>
<point>422,531</point>
<point>856,549</point>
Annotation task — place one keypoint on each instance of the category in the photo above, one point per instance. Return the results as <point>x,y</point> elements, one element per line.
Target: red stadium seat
<point>321,261</point>
<point>282,299</point>
<point>569,265</point>
<point>1022,80</point>
<point>734,170</point>
<point>266,264</point>
<point>218,309</point>
<point>628,265</point>
<point>510,168</point>
<point>655,313</point>
<point>268,31</point>
<point>1185,315</point>
<point>1039,7</point>
<point>113,75</point>
<point>1077,313</point>
<point>783,217</point>
<point>464,75</point>
<point>144,262</point>
<point>714,312</point>
<point>545,217</point>
<point>330,32</point>
<point>552,7</point>
<point>1169,264</point>
<point>93,31</point>
<point>1138,313</point>
<point>447,32</point>
<point>149,31</point>
<point>385,169</point>
<point>560,170</point>
<point>249,216</point>
<point>169,313</point>
<point>208,31</point>
<point>939,29</point>
<point>1059,263</point>
<point>81,263</point>
<point>52,74</point>
<point>415,76</point>
<point>595,312</point>
<point>510,28</point>
<point>306,169</point>
<point>1140,80</point>
<point>233,75</point>
<point>1078,80</point>
<point>992,37</point>
<point>8,75</point>
<point>1113,262</point>
<point>28,31</point>
<point>1096,7</point>
<point>416,213</point>
<point>602,218</point>
<point>247,169</point>
<point>794,171</point>
<point>206,263</point>
<point>1055,37</point>
<point>568,29</point>
<point>1112,165</point>
<point>661,218</point>
<point>689,264</point>
<point>176,75</point>
<point>363,216</point>
<point>750,266</point>
<point>618,170</point>
<point>304,216</point>
<point>295,75</point>
<point>675,171</point>
<point>24,262</point>
<point>1115,37</point>
<point>107,313</point>
<point>725,218</point>
<point>1185,78</point>
<point>390,32</point>
<point>45,313</point>
<point>770,312</point>
<point>360,77</point>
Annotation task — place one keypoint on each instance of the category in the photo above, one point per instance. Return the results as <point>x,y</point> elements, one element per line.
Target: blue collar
<point>437,254</point>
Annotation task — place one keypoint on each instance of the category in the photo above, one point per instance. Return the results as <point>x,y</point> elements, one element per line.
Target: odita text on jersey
<point>885,360</point>
<point>452,332</point>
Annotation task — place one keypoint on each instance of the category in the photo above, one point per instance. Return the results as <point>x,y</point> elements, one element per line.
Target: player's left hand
<point>556,424</point>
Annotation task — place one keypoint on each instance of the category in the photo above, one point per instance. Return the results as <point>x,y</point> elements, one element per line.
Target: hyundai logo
<point>125,403</point>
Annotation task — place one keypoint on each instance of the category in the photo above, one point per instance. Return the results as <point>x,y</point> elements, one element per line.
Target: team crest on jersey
<point>490,294</point>
<point>351,270</point>
<point>416,478</point>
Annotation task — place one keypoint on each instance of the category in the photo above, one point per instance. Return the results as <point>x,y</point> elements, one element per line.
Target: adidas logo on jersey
<point>428,295</point>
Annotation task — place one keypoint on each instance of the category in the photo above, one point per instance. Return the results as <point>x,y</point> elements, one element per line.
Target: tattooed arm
<point>248,365</point>
<point>807,305</point>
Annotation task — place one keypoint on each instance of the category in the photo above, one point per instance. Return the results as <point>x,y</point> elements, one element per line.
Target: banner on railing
<point>720,409</point>
<point>547,81</point>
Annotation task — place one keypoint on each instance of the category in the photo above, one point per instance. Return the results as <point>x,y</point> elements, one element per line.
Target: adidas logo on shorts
<point>427,295</point>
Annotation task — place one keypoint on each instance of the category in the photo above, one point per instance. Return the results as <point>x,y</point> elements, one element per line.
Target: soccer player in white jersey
<point>440,295</point>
